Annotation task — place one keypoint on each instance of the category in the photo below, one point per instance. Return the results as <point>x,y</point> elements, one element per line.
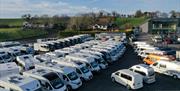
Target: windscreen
<point>54,80</point>
<point>72,76</point>
<point>94,64</point>
<point>84,69</point>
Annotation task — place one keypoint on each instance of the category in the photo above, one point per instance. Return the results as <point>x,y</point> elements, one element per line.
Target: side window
<point>142,73</point>
<point>155,64</point>
<point>65,78</point>
<point>45,85</point>
<point>117,73</point>
<point>12,89</point>
<point>162,65</point>
<point>131,69</point>
<point>78,71</point>
<point>126,77</point>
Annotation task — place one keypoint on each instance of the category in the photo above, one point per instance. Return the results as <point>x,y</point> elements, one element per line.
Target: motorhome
<point>43,58</point>
<point>90,62</point>
<point>24,48</point>
<point>16,82</point>
<point>55,54</point>
<point>8,69</point>
<point>5,57</point>
<point>146,71</point>
<point>44,47</point>
<point>49,80</point>
<point>13,52</point>
<point>102,63</point>
<point>128,78</point>
<point>3,89</point>
<point>150,59</point>
<point>80,68</point>
<point>104,52</point>
<point>26,62</point>
<point>67,74</point>
<point>167,68</point>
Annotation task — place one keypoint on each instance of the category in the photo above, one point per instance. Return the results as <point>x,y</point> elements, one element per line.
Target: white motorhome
<point>128,78</point>
<point>102,64</point>
<point>146,71</point>
<point>167,68</point>
<point>80,68</point>
<point>5,57</point>
<point>3,89</point>
<point>45,47</point>
<point>55,54</point>
<point>26,62</point>
<point>104,52</point>
<point>67,74</point>
<point>16,82</point>
<point>90,62</point>
<point>43,58</point>
<point>13,52</point>
<point>49,80</point>
<point>8,69</point>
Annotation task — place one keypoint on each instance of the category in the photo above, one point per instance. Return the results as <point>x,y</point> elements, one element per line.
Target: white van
<point>128,78</point>
<point>55,54</point>
<point>167,68</point>
<point>43,58</point>
<point>44,47</point>
<point>8,68</point>
<point>16,82</point>
<point>67,74</point>
<point>146,71</point>
<point>90,62</point>
<point>49,80</point>
<point>13,52</point>
<point>81,68</point>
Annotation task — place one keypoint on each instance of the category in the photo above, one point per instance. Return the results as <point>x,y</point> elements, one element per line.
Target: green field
<point>17,33</point>
<point>11,22</point>
<point>122,22</point>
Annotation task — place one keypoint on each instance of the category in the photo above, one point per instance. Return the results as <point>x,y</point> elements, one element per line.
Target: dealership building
<point>161,25</point>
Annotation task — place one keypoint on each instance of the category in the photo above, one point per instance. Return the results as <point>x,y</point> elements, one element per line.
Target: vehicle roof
<point>38,71</point>
<point>18,80</point>
<point>141,66</point>
<point>8,66</point>
<point>55,67</point>
<point>128,72</point>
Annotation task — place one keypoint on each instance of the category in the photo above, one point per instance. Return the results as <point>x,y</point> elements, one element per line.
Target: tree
<point>138,13</point>
<point>173,14</point>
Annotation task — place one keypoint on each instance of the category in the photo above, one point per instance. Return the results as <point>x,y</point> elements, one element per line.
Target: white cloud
<point>16,8</point>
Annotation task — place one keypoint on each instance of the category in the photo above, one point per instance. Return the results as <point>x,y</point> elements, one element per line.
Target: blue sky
<point>16,8</point>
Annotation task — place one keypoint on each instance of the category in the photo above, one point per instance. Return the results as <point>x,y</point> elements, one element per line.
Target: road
<point>102,80</point>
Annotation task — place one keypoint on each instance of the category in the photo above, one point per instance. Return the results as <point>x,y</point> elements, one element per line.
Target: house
<point>161,25</point>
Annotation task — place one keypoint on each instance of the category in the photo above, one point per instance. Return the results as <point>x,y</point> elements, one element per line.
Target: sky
<point>16,8</point>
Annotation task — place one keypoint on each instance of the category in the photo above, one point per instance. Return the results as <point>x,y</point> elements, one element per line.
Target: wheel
<point>82,79</point>
<point>128,87</point>
<point>69,88</point>
<point>113,79</point>
<point>175,77</point>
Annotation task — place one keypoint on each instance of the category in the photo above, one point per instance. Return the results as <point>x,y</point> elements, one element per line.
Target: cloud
<point>16,8</point>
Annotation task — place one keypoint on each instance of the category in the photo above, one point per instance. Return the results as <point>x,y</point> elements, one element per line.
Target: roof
<point>17,80</point>
<point>8,66</point>
<point>38,71</point>
<point>127,71</point>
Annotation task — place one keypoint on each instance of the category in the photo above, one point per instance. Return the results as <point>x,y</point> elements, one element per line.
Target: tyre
<point>175,77</point>
<point>113,79</point>
<point>128,87</point>
<point>69,88</point>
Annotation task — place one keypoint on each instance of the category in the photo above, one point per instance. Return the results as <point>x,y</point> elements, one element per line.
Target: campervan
<point>128,78</point>
<point>167,68</point>
<point>146,71</point>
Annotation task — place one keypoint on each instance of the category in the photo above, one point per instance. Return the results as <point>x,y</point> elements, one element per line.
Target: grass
<point>17,33</point>
<point>123,22</point>
<point>11,22</point>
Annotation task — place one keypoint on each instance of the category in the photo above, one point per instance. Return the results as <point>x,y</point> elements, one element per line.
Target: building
<point>161,25</point>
